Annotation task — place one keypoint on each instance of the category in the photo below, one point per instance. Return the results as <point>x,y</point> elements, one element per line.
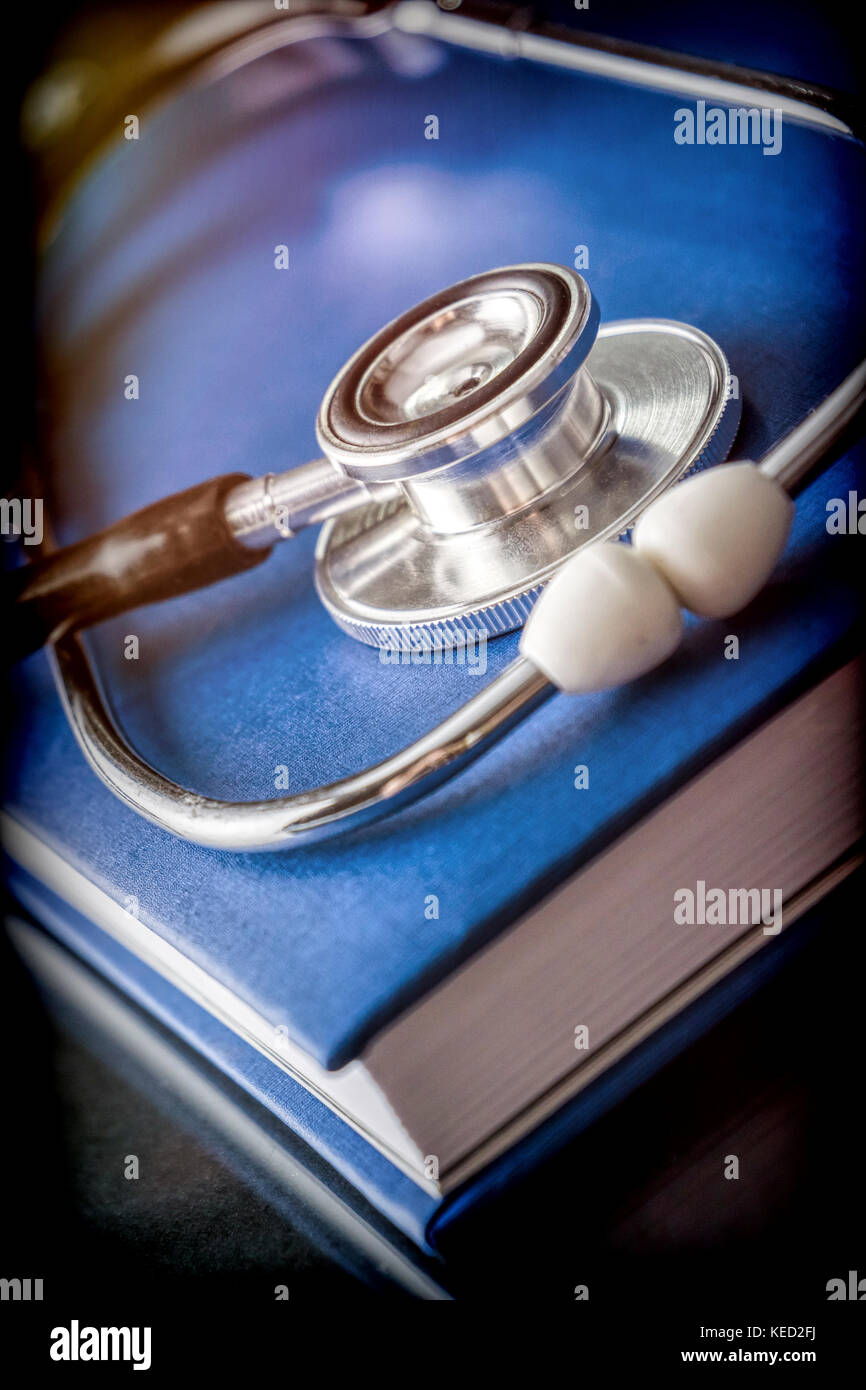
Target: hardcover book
<point>432,1000</point>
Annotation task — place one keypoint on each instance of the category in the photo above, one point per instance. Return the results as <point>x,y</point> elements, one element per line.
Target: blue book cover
<point>422,1214</point>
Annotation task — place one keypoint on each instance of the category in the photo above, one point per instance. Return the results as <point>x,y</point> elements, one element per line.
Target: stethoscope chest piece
<point>511,430</point>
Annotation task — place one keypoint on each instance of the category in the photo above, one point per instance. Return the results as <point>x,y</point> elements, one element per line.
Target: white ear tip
<point>605,618</point>
<point>717,537</point>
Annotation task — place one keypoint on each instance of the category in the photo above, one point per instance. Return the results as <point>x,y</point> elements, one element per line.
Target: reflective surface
<point>375,792</point>
<point>651,406</point>
<point>458,373</point>
<point>446,357</point>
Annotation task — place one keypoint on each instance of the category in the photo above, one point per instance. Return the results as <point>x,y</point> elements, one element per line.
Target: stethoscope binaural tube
<point>411,773</point>
<point>183,542</point>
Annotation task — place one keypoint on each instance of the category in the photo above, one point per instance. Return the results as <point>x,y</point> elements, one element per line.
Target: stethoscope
<point>484,456</point>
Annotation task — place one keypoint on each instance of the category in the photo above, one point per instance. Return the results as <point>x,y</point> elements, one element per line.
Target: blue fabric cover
<point>164,268</point>
<point>416,1213</point>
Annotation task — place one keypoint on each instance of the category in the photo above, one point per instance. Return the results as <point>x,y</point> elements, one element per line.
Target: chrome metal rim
<point>458,372</point>
<point>390,580</point>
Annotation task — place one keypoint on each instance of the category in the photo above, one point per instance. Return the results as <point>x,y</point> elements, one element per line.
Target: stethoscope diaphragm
<point>511,431</point>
